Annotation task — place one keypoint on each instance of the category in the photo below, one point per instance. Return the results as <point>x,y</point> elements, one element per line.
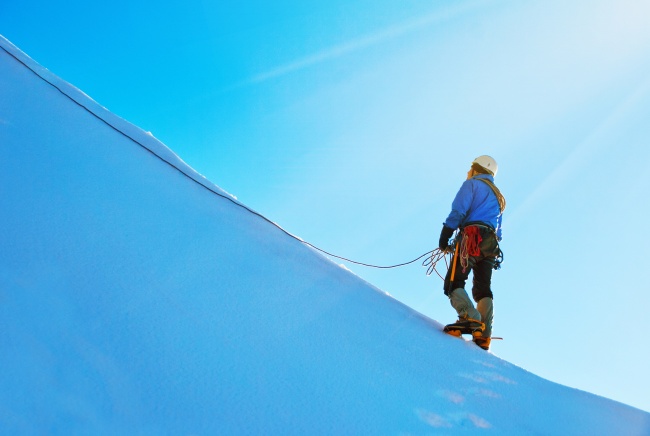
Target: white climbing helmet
<point>487,163</point>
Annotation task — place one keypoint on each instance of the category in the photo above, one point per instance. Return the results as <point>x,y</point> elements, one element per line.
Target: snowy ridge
<point>133,300</point>
<point>146,139</point>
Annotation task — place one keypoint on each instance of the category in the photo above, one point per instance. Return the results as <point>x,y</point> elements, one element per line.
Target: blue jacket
<point>475,202</point>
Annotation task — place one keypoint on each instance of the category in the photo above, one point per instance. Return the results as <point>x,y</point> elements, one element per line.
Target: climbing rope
<point>431,262</point>
<point>436,254</point>
<point>500,198</point>
<point>361,263</point>
<point>469,245</point>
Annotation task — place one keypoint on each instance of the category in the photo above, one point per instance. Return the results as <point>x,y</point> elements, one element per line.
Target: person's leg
<point>458,297</point>
<point>482,294</point>
<point>460,278</point>
<point>485,307</point>
<point>463,305</point>
<point>482,279</point>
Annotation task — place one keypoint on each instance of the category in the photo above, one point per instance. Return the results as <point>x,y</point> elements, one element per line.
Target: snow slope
<point>137,298</point>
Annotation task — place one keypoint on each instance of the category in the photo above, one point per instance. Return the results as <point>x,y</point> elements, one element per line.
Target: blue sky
<point>352,125</point>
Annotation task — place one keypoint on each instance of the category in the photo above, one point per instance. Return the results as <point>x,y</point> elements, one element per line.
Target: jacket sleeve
<point>460,206</point>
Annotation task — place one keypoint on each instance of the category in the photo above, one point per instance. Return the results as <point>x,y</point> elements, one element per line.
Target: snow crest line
<point>198,182</point>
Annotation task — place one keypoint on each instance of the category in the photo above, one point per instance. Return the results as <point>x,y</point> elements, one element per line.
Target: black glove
<point>445,234</point>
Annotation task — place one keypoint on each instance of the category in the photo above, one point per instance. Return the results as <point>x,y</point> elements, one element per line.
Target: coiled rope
<point>470,240</point>
<point>430,263</point>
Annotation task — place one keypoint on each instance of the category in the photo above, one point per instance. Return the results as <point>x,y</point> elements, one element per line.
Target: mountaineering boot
<point>486,309</point>
<point>465,326</point>
<point>469,319</point>
<point>482,342</point>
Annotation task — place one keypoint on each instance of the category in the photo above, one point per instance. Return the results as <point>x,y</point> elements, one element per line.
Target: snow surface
<point>134,300</point>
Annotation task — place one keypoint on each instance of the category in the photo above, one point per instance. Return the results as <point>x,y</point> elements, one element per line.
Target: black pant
<point>481,266</point>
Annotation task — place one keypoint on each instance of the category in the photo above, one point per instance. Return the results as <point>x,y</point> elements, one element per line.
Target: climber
<point>477,211</point>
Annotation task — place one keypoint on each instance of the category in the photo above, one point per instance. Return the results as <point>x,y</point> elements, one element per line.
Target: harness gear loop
<point>498,260</point>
